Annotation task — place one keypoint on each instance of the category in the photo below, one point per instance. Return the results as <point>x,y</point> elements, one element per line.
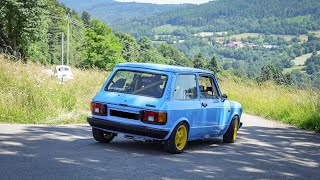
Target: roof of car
<point>162,67</point>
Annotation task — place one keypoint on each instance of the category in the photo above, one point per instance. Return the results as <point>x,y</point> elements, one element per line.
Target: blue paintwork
<point>203,122</point>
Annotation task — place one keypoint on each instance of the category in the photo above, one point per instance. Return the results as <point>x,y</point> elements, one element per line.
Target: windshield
<point>138,83</point>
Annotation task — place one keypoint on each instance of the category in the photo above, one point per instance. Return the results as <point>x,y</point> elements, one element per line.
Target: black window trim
<point>197,90</point>
<point>214,82</point>
<point>139,71</point>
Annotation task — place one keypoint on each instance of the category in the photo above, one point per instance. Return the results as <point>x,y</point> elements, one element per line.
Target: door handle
<point>204,104</point>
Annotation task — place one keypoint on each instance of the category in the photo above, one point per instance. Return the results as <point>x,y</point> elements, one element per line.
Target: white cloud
<point>167,1</point>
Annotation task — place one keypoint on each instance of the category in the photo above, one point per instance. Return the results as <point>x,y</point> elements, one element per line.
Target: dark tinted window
<point>138,83</point>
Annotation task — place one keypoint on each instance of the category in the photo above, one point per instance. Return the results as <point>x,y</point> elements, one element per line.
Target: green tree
<point>214,65</point>
<point>174,56</point>
<point>102,48</point>
<point>145,43</point>
<point>86,18</point>
<point>297,79</point>
<point>271,73</point>
<point>199,61</point>
<point>130,49</point>
<point>23,27</point>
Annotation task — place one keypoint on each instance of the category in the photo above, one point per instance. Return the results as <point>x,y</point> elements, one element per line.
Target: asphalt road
<point>264,150</point>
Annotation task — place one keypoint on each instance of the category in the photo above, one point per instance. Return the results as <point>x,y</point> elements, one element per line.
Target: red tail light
<point>98,109</point>
<point>155,117</point>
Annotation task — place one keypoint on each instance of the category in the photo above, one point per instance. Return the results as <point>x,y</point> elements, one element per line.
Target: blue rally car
<point>170,104</point>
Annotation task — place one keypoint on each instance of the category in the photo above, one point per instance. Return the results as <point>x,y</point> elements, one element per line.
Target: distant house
<point>204,34</point>
<point>252,45</point>
<point>158,42</point>
<point>235,44</point>
<point>269,46</point>
<point>219,43</point>
<point>231,45</point>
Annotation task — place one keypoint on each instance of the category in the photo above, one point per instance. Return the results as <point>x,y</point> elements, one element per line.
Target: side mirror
<point>224,97</point>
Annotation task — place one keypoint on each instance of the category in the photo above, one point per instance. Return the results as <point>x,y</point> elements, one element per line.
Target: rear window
<point>138,83</point>
<point>63,69</point>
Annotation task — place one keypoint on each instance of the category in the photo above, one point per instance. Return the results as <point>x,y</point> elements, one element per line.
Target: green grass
<point>301,59</point>
<point>288,70</point>
<point>238,36</point>
<point>298,19</point>
<point>166,29</point>
<point>29,95</point>
<point>296,107</point>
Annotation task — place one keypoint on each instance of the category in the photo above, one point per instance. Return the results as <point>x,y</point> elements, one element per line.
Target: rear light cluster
<point>154,117</point>
<point>149,117</point>
<point>98,109</point>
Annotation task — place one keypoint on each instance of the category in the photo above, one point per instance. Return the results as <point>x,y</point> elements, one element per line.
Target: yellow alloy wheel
<point>181,137</point>
<point>108,136</point>
<point>235,130</point>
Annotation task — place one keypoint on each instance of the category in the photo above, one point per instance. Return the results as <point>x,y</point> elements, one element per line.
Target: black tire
<point>101,136</point>
<point>170,145</point>
<point>231,135</point>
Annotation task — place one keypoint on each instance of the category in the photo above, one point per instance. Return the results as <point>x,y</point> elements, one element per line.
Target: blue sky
<point>167,1</point>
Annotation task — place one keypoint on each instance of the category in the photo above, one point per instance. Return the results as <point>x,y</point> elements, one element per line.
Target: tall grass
<point>29,95</point>
<point>296,107</point>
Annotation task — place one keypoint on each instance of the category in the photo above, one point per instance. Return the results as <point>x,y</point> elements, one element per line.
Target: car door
<point>185,104</point>
<point>214,111</point>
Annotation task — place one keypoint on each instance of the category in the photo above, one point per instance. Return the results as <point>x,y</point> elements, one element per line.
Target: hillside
<point>110,11</point>
<point>246,36</point>
<point>263,16</point>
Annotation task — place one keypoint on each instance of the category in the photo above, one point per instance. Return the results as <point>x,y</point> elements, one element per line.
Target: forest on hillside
<point>110,11</point>
<point>238,16</point>
<point>246,35</point>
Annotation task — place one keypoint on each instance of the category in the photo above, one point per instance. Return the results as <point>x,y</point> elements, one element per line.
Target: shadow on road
<point>70,152</point>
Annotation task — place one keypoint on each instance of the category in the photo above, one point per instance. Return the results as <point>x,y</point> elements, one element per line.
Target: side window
<point>185,88</point>
<point>208,90</point>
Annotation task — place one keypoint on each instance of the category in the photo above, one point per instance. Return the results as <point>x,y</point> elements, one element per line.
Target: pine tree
<point>199,61</point>
<point>86,18</point>
<point>214,65</point>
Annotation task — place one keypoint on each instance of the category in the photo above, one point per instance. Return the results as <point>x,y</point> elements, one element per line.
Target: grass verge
<point>300,108</point>
<point>29,95</point>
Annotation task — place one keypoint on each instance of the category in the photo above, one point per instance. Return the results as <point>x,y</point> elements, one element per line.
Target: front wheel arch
<point>230,135</point>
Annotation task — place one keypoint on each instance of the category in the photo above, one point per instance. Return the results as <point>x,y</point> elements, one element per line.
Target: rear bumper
<point>127,129</point>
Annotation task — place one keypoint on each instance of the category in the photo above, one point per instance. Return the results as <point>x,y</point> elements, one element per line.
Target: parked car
<point>63,72</point>
<point>170,104</point>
